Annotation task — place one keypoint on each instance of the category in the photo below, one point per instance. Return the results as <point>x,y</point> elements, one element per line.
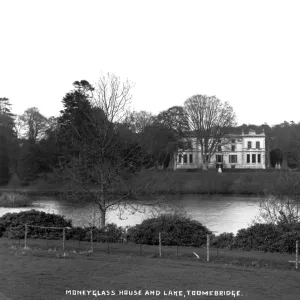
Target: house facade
<point>240,151</point>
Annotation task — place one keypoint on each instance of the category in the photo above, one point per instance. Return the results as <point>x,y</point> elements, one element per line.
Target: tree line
<point>97,143</point>
<point>32,144</point>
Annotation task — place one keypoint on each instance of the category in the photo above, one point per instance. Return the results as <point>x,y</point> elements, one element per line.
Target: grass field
<point>34,273</point>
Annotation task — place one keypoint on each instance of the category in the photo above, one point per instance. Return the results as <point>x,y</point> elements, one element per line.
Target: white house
<point>244,151</point>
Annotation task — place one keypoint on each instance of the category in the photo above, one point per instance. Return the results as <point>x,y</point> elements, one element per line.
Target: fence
<point>204,253</point>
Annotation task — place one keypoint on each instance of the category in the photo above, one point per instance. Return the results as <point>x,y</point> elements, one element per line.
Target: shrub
<point>14,200</point>
<point>268,237</point>
<point>175,230</point>
<point>12,224</point>
<point>223,240</point>
<point>111,232</point>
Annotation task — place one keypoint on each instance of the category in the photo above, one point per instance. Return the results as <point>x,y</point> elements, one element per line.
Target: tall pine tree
<point>7,140</point>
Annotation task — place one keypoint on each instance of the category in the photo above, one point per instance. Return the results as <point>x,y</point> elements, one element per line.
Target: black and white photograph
<point>149,149</point>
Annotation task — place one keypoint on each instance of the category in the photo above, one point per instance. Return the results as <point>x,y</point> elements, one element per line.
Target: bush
<point>268,238</point>
<point>14,200</point>
<point>12,224</point>
<point>111,232</point>
<point>223,240</point>
<point>175,230</point>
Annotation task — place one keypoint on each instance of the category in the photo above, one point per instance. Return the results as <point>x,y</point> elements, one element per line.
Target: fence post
<point>159,238</point>
<point>25,239</point>
<point>207,247</point>
<point>92,245</point>
<point>64,238</point>
<point>296,255</point>
<point>107,245</point>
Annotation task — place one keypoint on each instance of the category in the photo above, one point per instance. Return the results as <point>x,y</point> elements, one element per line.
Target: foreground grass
<point>35,273</point>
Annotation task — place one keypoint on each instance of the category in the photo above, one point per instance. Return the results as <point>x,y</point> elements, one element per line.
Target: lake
<point>220,213</point>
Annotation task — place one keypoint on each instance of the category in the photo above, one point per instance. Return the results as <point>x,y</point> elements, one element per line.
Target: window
<point>180,158</point>
<point>259,158</point>
<point>257,145</point>
<point>185,158</point>
<point>191,158</point>
<point>249,145</point>
<point>219,148</point>
<point>219,158</point>
<point>248,158</point>
<point>233,159</point>
<point>253,158</point>
<point>233,141</point>
<point>207,158</point>
<point>232,148</point>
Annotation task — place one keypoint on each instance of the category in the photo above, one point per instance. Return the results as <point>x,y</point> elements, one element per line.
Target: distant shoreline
<point>174,183</point>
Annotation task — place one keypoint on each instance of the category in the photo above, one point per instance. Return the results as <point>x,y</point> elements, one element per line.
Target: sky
<point>244,52</point>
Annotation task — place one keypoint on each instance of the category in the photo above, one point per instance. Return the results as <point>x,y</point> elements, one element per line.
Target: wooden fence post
<point>64,238</point>
<point>207,248</point>
<point>159,238</point>
<point>92,245</point>
<point>25,239</point>
<point>297,255</point>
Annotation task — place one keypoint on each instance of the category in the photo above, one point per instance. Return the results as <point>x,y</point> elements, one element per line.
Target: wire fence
<point>98,243</point>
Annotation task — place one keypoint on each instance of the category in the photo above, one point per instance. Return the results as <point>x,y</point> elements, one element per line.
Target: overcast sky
<point>243,52</point>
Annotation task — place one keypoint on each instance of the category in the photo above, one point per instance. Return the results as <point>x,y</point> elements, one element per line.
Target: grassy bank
<point>183,182</point>
<point>212,182</point>
<point>38,274</point>
<point>13,200</point>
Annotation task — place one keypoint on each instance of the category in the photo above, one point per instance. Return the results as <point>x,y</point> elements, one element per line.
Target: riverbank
<point>179,182</point>
<point>39,274</point>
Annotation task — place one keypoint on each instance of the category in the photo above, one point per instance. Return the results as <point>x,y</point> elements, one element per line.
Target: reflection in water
<point>218,212</point>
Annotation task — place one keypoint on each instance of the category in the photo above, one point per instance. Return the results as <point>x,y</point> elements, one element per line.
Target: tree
<point>102,164</point>
<point>282,206</point>
<point>175,119</point>
<point>34,124</point>
<point>160,143</point>
<point>207,117</point>
<point>7,131</point>
<point>276,156</point>
<point>73,120</point>
<point>4,161</point>
<point>138,121</point>
<point>173,125</point>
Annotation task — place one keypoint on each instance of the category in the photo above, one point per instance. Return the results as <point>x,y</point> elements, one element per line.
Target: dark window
<point>253,158</point>
<point>259,158</point>
<point>257,145</point>
<point>233,141</point>
<point>219,148</point>
<point>232,147</point>
<point>180,158</point>
<point>191,158</point>
<point>185,158</point>
<point>249,145</point>
<point>219,158</point>
<point>233,159</point>
<point>248,158</point>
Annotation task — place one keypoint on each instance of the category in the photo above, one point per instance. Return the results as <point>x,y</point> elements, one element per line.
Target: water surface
<point>220,213</point>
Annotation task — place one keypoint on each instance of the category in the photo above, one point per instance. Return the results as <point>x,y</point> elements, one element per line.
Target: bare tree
<point>138,121</point>
<point>33,123</point>
<point>281,206</point>
<point>207,117</point>
<point>106,162</point>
